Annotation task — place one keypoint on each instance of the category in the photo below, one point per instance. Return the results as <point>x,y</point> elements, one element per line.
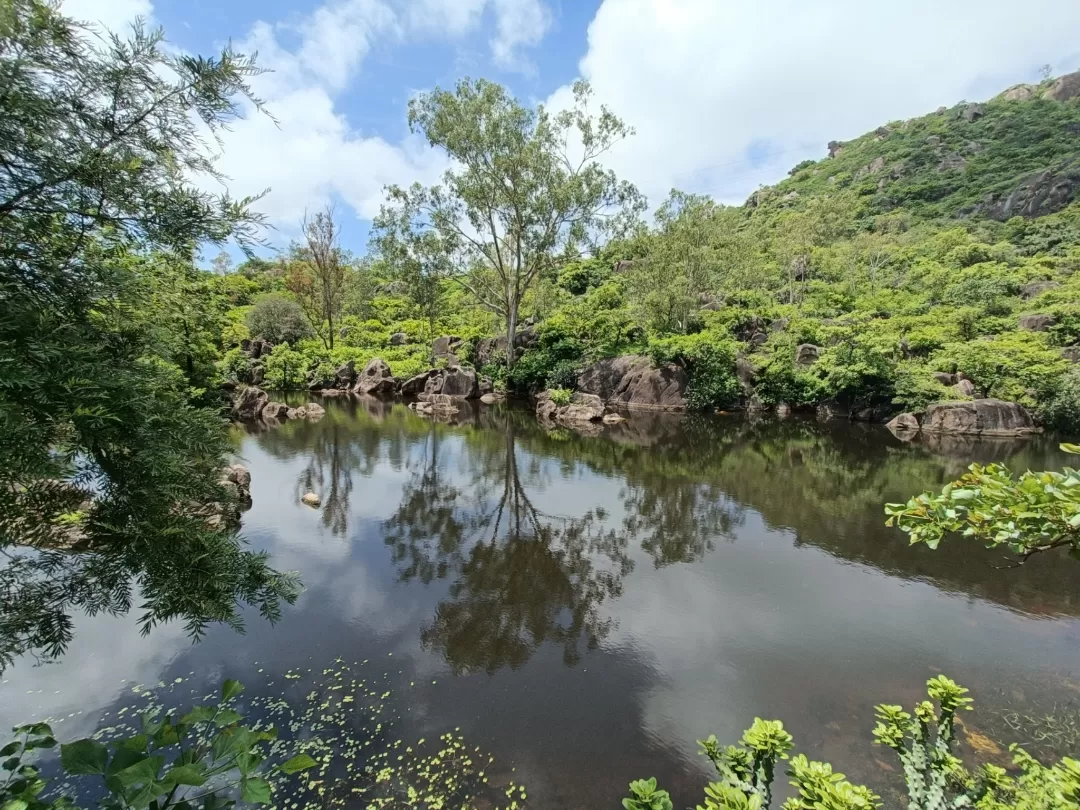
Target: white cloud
<point>112,14</point>
<point>519,24</point>
<point>703,81</point>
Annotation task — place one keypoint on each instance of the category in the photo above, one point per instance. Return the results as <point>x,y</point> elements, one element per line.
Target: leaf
<point>231,689</point>
<point>141,772</point>
<point>15,804</point>
<point>1071,448</point>
<point>256,791</point>
<point>226,717</point>
<point>10,748</point>
<point>200,714</point>
<point>301,762</point>
<point>84,757</point>
<point>193,774</point>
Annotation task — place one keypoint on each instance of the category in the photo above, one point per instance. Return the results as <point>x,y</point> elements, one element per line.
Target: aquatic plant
<point>924,740</point>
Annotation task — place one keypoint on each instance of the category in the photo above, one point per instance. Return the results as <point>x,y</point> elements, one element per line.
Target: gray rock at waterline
<point>311,499</point>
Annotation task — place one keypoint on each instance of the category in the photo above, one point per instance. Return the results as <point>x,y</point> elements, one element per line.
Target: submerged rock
<point>311,499</point>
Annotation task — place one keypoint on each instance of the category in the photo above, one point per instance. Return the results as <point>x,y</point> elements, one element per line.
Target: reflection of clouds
<point>106,650</point>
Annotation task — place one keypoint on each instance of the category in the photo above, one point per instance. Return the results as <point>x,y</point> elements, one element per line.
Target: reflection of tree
<point>528,577</point>
<point>677,521</point>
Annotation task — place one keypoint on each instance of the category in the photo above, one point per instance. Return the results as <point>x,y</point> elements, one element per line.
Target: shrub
<point>1062,409</point>
<point>1012,366</point>
<point>287,369</point>
<point>561,396</point>
<point>234,365</point>
<point>279,319</point>
<point>709,361</point>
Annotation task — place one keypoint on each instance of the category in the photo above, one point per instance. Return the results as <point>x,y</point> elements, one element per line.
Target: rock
<point>376,379</point>
<point>486,385</point>
<point>905,423</point>
<point>807,354</point>
<point>258,374</point>
<point>455,381</point>
<point>444,403</point>
<point>422,408</point>
<point>446,346</point>
<point>582,408</point>
<point>746,372</point>
<point>1037,323</point>
<point>311,499</point>
<point>952,161</point>
<point>346,375</point>
<point>490,349</point>
<point>987,417</point>
<point>613,418</point>
<point>260,348</point>
<point>399,339</point>
<point>313,410</point>
<point>297,413</point>
<point>249,403</point>
<point>275,410</point>
<point>623,266</point>
<point>1036,194</point>
<point>965,388</point>
<point>835,148</point>
<point>546,408</point>
<point>779,325</point>
<point>972,112</point>
<point>414,386</point>
<point>944,378</point>
<point>783,409</point>
<point>750,327</point>
<point>1021,92</point>
<point>490,399</point>
<point>1033,289</point>
<point>1066,87</point>
<point>239,479</point>
<point>632,381</point>
<point>1071,353</point>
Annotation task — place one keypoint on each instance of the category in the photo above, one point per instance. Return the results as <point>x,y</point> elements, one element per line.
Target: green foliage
<point>578,277</point>
<point>109,333</point>
<point>1028,514</point>
<point>1061,410</point>
<point>924,740</point>
<point>709,360</point>
<point>277,318</point>
<point>1012,366</point>
<point>644,795</point>
<point>202,759</point>
<point>286,368</point>
<point>561,396</point>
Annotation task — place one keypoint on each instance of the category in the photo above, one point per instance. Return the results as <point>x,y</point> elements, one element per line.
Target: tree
<point>315,273</point>
<point>106,467</point>
<point>279,319</point>
<point>519,200</point>
<point>1033,513</point>
<point>419,260</point>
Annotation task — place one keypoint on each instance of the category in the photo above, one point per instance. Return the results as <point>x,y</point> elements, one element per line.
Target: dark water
<point>586,606</point>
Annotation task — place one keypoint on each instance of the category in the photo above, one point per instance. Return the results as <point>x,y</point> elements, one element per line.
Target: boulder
<point>1035,195</point>
<point>985,417</point>
<point>399,339</point>
<point>275,410</point>
<point>613,418</point>
<point>346,375</point>
<point>1071,353</point>
<point>945,378</point>
<point>1037,323</point>
<point>807,354</point>
<point>904,423</point>
<point>311,499</point>
<point>490,399</point>
<point>746,372</point>
<point>779,325</point>
<point>965,388</point>
<point>1064,88</point>
<point>376,379</point>
<point>1033,289</point>
<point>623,266</point>
<point>238,479</point>
<point>460,382</point>
<point>259,348</point>
<point>446,346</point>
<point>632,381</point>
<point>835,148</point>
<point>972,112</point>
<point>751,326</point>
<point>313,410</point>
<point>414,386</point>
<point>582,408</point>
<point>490,349</point>
<point>546,408</point>
<point>258,374</point>
<point>248,403</point>
<point>1021,92</point>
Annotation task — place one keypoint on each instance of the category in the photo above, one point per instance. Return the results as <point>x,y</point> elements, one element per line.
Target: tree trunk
<point>511,333</point>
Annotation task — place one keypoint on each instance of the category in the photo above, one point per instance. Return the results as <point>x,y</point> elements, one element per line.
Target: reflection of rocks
<point>582,410</point>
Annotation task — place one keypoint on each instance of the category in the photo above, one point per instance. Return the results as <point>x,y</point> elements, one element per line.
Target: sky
<point>724,95</point>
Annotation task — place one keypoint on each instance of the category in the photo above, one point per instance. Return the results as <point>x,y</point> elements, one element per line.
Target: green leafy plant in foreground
<point>203,759</point>
<point>924,740</point>
<point>561,396</point>
<point>1032,513</point>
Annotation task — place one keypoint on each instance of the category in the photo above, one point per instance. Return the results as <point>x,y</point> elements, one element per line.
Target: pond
<point>587,606</point>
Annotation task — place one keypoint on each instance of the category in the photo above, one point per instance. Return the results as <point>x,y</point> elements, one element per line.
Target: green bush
<point>1061,411</point>
<point>1015,366</point>
<point>561,396</point>
<point>709,361</point>
<point>286,368</point>
<point>279,319</point>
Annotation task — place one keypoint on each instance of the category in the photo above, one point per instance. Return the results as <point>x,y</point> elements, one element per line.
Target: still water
<point>587,606</point>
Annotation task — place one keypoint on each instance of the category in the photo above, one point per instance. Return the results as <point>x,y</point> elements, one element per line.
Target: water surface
<point>587,606</point>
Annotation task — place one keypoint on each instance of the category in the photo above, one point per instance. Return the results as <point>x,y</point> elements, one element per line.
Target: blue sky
<point>725,95</point>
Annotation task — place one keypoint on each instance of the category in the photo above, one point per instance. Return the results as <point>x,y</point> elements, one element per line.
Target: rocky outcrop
<point>399,339</point>
<point>1064,88</point>
<point>248,403</point>
<point>1036,194</point>
<point>632,381</point>
<point>1034,289</point>
<point>237,479</point>
<point>972,112</point>
<point>346,375</point>
<point>1037,323</point>
<point>456,382</point>
<point>983,417</point>
<point>376,379</point>
<point>1020,92</point>
<point>490,349</point>
<point>446,348</point>
<point>944,378</point>
<point>415,386</point>
<point>1071,353</point>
